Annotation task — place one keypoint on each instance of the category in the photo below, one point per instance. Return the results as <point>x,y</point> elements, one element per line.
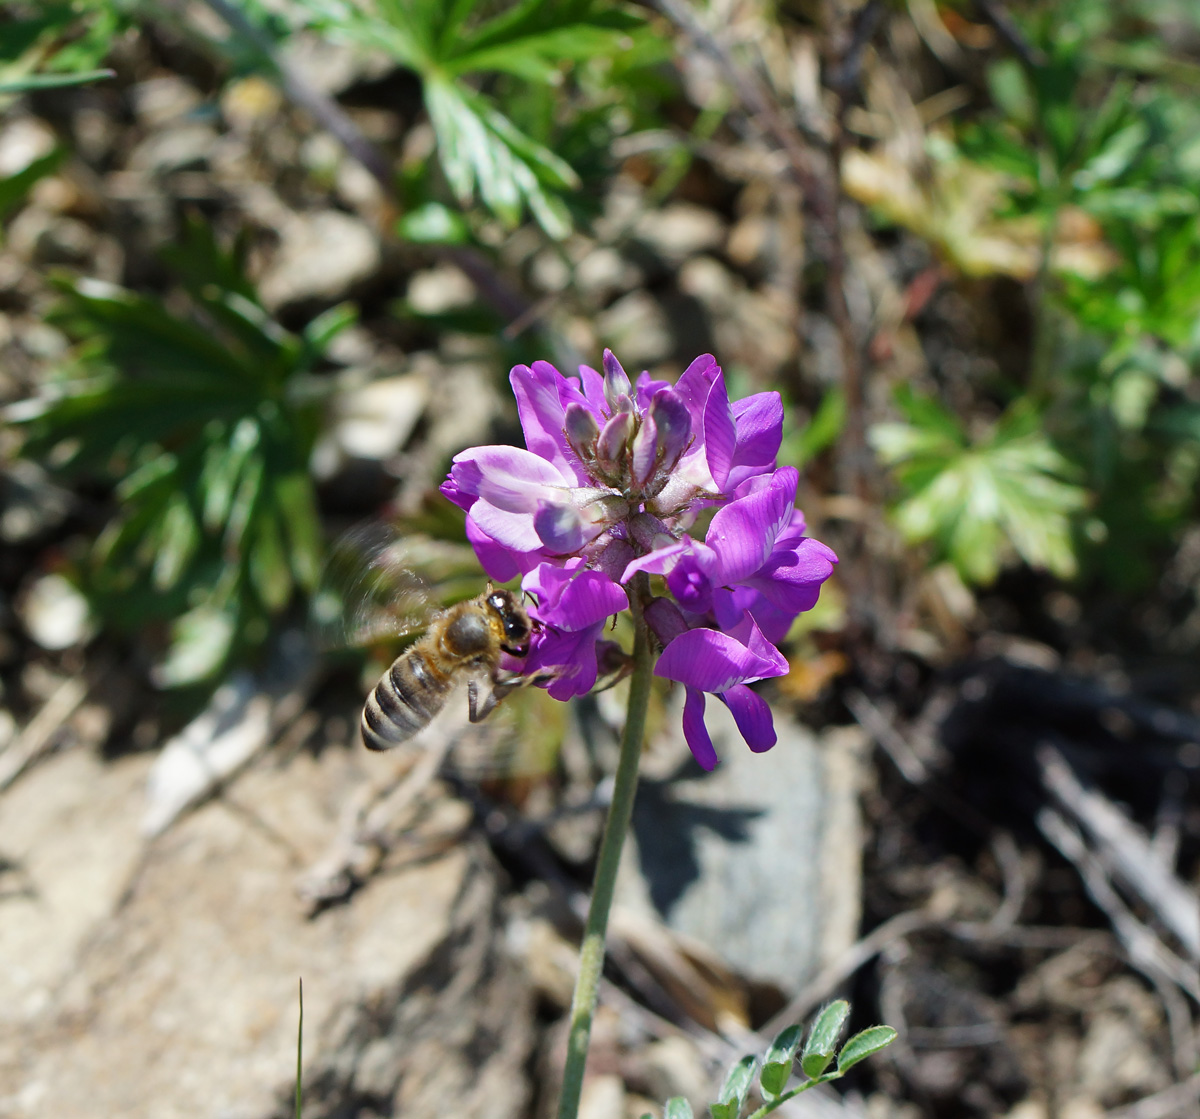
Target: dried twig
<point>39,734</point>
<point>1146,951</point>
<point>1125,851</point>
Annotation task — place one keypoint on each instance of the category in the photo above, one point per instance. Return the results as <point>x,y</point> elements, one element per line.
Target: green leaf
<point>735,1089</point>
<point>200,642</point>
<point>677,1108</point>
<point>327,326</point>
<point>777,1064</point>
<point>270,574</point>
<point>481,150</point>
<point>822,431</point>
<point>53,81</point>
<point>433,224</point>
<point>864,1044</point>
<point>179,541</point>
<point>822,1038</point>
<point>14,187</point>
<point>296,503</point>
<point>223,467</point>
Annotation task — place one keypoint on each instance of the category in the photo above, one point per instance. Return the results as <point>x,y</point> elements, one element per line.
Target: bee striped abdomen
<point>404,702</point>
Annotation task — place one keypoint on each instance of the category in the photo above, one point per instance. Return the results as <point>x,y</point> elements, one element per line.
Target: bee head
<point>517,627</point>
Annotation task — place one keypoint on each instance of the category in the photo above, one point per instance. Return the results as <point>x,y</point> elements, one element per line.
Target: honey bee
<point>370,591</point>
<point>463,641</point>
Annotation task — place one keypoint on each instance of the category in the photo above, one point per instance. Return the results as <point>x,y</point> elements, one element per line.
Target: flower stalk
<point>620,810</point>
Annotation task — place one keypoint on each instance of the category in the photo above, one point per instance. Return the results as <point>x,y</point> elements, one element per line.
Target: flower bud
<point>616,384</point>
<point>674,425</point>
<point>613,443</point>
<point>643,453</point>
<point>581,430</point>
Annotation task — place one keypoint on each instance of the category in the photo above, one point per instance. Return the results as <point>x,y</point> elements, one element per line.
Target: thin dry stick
<point>1126,851</point>
<point>1145,951</point>
<point>38,736</point>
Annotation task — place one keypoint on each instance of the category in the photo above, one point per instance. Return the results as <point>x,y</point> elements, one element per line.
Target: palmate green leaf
<point>226,518</point>
<point>532,39</point>
<point>976,500</point>
<point>482,151</point>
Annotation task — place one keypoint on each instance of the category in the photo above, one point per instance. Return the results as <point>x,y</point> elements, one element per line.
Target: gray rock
<point>160,981</point>
<point>322,256</point>
<point>759,860</point>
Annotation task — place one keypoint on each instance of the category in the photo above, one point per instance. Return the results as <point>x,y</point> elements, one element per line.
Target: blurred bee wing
<point>367,591</point>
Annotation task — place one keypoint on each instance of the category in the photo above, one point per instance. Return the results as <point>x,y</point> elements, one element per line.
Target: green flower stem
<point>591,953</point>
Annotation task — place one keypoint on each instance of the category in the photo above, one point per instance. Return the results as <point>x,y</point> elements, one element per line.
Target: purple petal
<point>450,489</point>
<point>743,533</point>
<point>712,661</point>
<point>644,451</point>
<point>752,715</point>
<point>695,732</point>
<point>791,579</point>
<point>694,384</point>
<point>614,439</point>
<point>573,655</point>
<point>690,581</point>
<point>772,621</point>
<point>581,430</point>
<point>758,421</point>
<point>593,390</point>
<point>616,380</point>
<point>540,408</point>
<point>573,597</point>
<point>509,477</point>
<point>748,633</point>
<point>563,528</point>
<point>670,416</point>
<point>589,599</point>
<point>719,432</point>
<point>514,531</point>
<point>646,388</point>
<point>499,562</point>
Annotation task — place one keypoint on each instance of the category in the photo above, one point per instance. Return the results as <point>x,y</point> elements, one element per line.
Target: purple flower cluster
<point>614,476</point>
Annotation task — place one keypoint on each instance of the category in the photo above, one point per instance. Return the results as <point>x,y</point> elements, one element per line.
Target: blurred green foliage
<point>1099,130</point>
<point>49,44</point>
<point>205,419</point>
<point>502,146</point>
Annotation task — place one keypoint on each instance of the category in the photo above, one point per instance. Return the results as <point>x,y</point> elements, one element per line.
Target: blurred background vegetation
<point>264,266</point>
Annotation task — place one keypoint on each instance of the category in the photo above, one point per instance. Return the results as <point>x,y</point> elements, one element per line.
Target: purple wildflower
<point>615,474</point>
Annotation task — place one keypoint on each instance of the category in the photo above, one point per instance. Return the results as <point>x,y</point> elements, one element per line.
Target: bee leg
<point>477,709</point>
